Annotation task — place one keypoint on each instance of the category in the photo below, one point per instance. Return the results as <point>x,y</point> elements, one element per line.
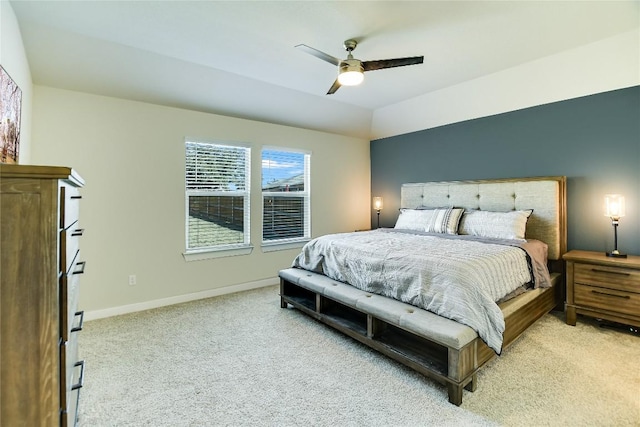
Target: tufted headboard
<point>545,195</point>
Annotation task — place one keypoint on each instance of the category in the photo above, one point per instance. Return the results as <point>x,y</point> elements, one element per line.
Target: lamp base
<point>616,254</point>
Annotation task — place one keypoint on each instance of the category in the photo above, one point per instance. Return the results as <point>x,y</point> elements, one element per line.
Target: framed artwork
<point>10,109</point>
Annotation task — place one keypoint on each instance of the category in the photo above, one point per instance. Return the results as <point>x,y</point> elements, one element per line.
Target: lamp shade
<point>377,203</point>
<point>614,205</point>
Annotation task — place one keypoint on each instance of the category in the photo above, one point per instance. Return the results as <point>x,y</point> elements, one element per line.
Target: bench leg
<point>473,384</point>
<point>462,365</point>
<point>455,393</point>
<point>283,303</point>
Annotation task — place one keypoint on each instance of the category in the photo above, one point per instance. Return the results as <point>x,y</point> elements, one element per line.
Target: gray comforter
<point>456,277</point>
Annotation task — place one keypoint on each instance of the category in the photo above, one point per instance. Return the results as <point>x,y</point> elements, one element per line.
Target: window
<point>217,177</point>
<point>285,196</point>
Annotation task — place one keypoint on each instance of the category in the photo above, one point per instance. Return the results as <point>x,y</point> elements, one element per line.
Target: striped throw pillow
<point>441,220</point>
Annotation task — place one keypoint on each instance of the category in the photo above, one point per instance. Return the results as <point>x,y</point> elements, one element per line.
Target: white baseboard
<point>132,308</point>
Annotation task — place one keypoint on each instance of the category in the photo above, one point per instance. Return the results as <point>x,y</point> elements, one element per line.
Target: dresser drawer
<point>72,377</point>
<point>69,245</point>
<point>607,299</point>
<point>69,292</point>
<point>69,206</point>
<point>69,417</point>
<point>624,279</point>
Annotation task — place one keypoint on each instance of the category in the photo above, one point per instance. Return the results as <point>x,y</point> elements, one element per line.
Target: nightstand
<point>603,287</point>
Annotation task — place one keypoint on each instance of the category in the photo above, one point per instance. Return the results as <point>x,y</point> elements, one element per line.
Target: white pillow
<point>414,219</point>
<point>444,220</point>
<point>496,225</point>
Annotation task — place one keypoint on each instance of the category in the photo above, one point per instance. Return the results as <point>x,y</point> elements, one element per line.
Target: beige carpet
<point>241,360</point>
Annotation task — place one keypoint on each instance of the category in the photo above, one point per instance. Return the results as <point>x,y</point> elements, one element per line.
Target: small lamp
<point>377,205</point>
<point>614,209</point>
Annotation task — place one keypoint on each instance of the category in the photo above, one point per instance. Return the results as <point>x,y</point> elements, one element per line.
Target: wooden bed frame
<point>439,348</point>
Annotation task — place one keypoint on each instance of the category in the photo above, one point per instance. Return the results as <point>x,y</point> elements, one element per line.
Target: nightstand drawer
<point>623,279</point>
<point>607,299</point>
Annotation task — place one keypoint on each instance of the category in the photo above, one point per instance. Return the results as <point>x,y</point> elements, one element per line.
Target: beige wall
<point>131,155</point>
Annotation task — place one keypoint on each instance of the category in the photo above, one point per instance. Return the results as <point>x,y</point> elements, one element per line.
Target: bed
<point>433,339</point>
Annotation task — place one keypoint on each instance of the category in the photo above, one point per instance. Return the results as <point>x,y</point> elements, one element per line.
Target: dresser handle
<point>76,197</point>
<point>611,295</point>
<point>78,232</point>
<point>595,270</point>
<point>82,264</point>
<point>81,379</point>
<point>79,327</point>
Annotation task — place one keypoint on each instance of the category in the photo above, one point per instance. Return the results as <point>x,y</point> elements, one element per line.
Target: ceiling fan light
<point>351,73</point>
<point>350,78</point>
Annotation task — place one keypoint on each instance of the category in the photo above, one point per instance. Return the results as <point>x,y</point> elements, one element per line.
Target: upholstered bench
<point>402,331</point>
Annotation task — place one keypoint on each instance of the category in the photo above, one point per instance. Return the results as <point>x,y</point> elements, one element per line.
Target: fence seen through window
<point>285,195</point>
<point>217,190</point>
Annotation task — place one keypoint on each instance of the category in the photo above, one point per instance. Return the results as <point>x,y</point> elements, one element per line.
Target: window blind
<point>285,195</point>
<point>217,183</point>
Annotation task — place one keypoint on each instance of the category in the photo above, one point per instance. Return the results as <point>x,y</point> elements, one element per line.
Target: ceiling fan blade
<point>336,85</point>
<point>391,63</point>
<point>319,54</point>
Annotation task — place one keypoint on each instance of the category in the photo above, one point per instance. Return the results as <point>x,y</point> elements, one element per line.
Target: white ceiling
<point>238,58</point>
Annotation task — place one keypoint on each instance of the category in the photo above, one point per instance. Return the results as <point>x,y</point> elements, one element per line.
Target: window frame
<point>290,242</point>
<point>227,249</point>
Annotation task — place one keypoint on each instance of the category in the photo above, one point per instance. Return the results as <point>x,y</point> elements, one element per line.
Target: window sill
<point>283,246</point>
<point>217,253</point>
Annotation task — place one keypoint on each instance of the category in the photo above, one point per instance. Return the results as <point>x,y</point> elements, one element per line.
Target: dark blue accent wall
<point>594,141</point>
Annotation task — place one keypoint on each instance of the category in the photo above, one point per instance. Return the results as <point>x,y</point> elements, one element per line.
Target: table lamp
<point>377,205</point>
<point>614,209</point>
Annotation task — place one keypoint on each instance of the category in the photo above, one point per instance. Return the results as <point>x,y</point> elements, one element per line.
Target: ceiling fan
<point>351,70</point>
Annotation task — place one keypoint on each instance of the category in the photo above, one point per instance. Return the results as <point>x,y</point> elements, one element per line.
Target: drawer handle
<point>81,264</point>
<point>611,295</point>
<point>595,270</point>
<point>81,379</point>
<point>78,232</point>
<point>76,197</point>
<point>79,327</point>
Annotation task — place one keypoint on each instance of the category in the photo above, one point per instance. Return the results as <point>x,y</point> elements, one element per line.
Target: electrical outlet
<point>132,279</point>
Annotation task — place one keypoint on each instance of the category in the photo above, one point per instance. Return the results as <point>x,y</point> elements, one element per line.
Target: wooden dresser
<point>603,287</point>
<point>40,268</point>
